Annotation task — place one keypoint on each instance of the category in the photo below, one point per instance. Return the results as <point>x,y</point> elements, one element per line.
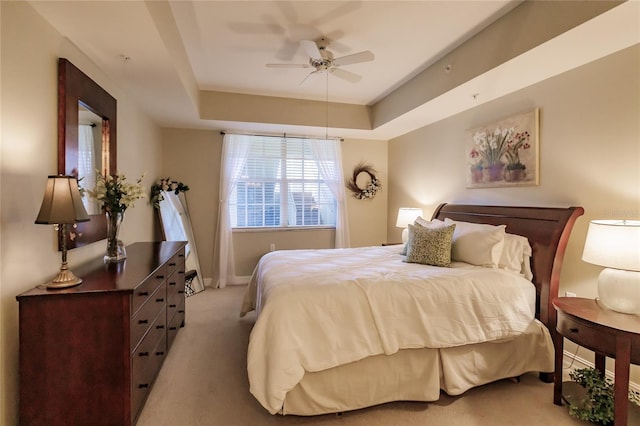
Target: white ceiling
<point>165,52</point>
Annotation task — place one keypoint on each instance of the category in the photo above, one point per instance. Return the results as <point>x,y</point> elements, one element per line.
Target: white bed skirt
<point>420,374</point>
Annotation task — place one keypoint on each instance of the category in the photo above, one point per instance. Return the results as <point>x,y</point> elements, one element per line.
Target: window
<point>281,185</point>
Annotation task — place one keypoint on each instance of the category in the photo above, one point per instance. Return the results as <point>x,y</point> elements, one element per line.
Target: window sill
<point>284,229</point>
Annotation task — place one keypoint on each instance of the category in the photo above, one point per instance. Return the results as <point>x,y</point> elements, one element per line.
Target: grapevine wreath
<point>373,186</point>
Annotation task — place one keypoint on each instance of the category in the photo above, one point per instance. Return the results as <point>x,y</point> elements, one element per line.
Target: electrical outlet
<point>569,294</point>
<point>272,247</point>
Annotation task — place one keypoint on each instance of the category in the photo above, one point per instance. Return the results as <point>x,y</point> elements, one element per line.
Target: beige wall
<point>193,157</point>
<point>28,252</point>
<point>590,155</point>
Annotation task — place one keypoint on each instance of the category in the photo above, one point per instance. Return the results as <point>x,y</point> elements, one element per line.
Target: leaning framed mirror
<point>86,142</point>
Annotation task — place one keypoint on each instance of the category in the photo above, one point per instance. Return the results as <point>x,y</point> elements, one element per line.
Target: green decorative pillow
<point>435,223</point>
<point>430,246</point>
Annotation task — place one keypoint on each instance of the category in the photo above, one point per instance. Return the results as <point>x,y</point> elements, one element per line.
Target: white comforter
<point>318,309</point>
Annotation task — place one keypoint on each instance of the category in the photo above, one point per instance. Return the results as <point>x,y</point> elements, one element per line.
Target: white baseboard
<point>574,362</point>
<point>208,282</point>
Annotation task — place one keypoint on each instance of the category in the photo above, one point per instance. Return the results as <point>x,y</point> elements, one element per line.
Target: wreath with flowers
<point>165,184</point>
<point>373,186</point>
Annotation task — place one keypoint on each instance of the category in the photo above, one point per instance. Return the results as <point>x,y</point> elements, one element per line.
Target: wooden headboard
<point>548,230</point>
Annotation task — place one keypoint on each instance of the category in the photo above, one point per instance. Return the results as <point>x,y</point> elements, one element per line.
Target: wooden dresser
<point>90,354</point>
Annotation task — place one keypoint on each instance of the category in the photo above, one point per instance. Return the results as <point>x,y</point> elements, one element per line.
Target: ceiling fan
<point>322,60</point>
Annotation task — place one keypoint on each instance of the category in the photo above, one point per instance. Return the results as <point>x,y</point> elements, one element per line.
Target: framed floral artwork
<point>504,153</point>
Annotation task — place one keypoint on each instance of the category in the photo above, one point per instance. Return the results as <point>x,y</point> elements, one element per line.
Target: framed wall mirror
<point>86,142</point>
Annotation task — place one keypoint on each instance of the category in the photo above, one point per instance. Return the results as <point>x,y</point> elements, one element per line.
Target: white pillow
<point>428,223</point>
<point>476,243</point>
<point>516,255</point>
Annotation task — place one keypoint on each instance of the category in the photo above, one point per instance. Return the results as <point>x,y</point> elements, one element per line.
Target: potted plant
<point>515,170</point>
<point>596,403</point>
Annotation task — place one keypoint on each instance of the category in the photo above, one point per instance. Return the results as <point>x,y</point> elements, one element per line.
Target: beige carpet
<point>204,382</point>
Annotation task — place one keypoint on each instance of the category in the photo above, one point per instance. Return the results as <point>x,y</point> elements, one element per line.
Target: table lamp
<point>615,244</point>
<point>61,206</point>
<point>406,216</point>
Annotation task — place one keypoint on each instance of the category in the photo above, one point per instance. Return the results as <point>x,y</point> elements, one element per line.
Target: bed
<point>343,329</point>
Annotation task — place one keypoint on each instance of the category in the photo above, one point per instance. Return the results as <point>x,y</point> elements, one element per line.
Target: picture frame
<point>505,152</point>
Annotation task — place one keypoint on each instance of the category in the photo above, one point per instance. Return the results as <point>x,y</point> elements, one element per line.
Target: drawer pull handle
<point>143,385</point>
<point>181,272</point>
<point>172,328</point>
<point>181,255</point>
<point>172,306</point>
<point>143,293</point>
<point>160,277</point>
<point>143,354</point>
<point>181,312</point>
<point>159,353</point>
<point>172,264</point>
<point>143,321</point>
<point>573,330</point>
<point>159,327</point>
<point>172,283</point>
<point>160,300</point>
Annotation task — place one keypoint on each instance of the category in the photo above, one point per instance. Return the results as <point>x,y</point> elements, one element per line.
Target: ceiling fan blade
<point>312,49</point>
<point>287,65</point>
<point>345,75</point>
<point>306,79</point>
<point>354,59</point>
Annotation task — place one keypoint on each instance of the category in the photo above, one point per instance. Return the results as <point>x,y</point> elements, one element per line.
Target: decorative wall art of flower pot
<point>505,152</point>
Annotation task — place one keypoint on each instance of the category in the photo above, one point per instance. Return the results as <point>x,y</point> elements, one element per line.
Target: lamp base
<point>405,235</point>
<point>64,279</point>
<point>619,290</point>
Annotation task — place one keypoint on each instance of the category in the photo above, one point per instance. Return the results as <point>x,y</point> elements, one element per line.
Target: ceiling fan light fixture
<point>322,60</point>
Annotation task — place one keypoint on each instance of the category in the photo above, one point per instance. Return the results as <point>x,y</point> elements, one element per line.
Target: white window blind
<point>281,186</point>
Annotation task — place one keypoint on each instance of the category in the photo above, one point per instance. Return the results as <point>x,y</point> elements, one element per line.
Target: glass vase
<point>115,248</point>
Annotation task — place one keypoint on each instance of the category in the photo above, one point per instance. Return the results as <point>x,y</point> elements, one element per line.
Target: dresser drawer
<point>586,335</point>
<point>145,370</point>
<point>175,283</point>
<point>174,300</point>
<point>146,289</point>
<point>147,359</point>
<point>176,262</point>
<point>175,322</point>
<point>144,318</point>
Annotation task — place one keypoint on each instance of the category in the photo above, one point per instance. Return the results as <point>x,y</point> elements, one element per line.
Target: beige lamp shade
<point>62,202</point>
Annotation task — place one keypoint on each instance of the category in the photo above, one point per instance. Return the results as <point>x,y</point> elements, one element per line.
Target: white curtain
<point>329,157</point>
<point>87,165</point>
<point>234,158</point>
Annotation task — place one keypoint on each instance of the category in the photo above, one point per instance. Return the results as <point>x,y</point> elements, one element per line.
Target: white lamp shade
<point>407,215</point>
<point>613,244</point>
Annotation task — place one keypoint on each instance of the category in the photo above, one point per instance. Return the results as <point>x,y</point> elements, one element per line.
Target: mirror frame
<point>75,87</point>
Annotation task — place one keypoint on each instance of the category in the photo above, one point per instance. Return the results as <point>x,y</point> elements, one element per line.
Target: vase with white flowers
<point>115,195</point>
